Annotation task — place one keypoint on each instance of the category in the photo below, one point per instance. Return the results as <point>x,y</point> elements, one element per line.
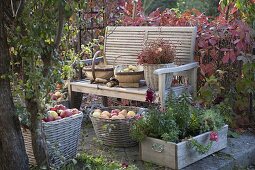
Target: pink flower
<point>138,116</point>
<point>150,95</point>
<point>124,165</point>
<point>214,136</point>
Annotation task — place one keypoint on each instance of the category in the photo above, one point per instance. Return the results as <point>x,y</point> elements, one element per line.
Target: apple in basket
<point>97,113</point>
<point>60,107</point>
<point>52,114</point>
<point>131,114</point>
<point>115,112</point>
<point>48,119</point>
<point>57,118</point>
<point>120,116</point>
<point>66,113</point>
<point>75,111</point>
<point>105,115</point>
<point>123,112</point>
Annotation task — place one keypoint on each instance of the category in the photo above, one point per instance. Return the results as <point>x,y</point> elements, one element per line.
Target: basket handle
<point>114,63</point>
<point>93,65</point>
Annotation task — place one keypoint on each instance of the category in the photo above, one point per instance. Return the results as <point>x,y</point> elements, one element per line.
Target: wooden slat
<point>135,41</point>
<point>148,28</point>
<point>123,48</point>
<point>184,35</point>
<point>127,37</point>
<point>137,94</point>
<point>186,155</point>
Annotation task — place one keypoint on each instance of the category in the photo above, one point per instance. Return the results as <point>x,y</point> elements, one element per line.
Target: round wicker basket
<point>128,77</point>
<point>115,132</point>
<point>152,79</point>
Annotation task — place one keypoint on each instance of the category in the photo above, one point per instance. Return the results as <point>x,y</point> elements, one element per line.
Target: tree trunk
<point>12,148</point>
<point>38,140</point>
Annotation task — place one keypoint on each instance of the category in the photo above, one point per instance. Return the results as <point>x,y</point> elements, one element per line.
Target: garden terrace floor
<point>240,153</point>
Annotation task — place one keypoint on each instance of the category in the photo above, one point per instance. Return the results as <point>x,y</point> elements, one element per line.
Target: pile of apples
<point>58,96</point>
<point>114,114</point>
<point>59,112</point>
<point>130,68</point>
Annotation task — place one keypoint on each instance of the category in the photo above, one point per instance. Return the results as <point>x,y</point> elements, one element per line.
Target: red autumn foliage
<point>219,40</point>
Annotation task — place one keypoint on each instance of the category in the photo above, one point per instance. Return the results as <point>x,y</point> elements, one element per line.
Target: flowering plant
<point>157,52</point>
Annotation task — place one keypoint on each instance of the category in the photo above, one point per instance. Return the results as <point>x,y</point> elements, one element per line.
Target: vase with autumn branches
<point>156,54</point>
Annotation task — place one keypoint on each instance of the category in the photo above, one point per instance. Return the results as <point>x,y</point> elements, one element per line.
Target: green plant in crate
<point>181,121</point>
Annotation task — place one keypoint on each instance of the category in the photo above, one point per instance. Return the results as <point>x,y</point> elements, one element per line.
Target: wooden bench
<point>129,41</point>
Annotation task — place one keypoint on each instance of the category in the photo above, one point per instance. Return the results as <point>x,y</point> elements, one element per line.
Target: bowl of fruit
<point>129,74</point>
<point>112,124</point>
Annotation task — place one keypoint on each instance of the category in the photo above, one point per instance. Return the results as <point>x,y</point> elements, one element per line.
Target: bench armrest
<point>176,69</point>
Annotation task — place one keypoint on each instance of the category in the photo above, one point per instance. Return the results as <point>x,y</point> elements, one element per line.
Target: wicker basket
<point>128,77</point>
<point>98,71</point>
<point>103,72</point>
<point>62,138</point>
<point>152,79</point>
<point>28,145</point>
<point>114,132</point>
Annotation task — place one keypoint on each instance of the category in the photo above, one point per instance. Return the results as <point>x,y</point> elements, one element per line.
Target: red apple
<point>62,114</point>
<point>45,119</point>
<point>60,107</point>
<point>75,111</point>
<point>67,113</point>
<point>54,97</point>
<point>53,109</point>
<point>57,118</point>
<point>117,110</point>
<point>59,112</point>
<point>50,118</point>
<point>114,113</point>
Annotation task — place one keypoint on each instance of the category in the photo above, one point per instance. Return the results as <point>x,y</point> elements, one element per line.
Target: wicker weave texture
<point>28,145</point>
<point>152,79</point>
<point>114,133</point>
<point>62,138</point>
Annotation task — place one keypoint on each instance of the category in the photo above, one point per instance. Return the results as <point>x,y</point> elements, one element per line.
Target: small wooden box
<point>180,155</point>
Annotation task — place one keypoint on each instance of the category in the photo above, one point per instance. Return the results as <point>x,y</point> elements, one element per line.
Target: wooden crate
<point>180,155</point>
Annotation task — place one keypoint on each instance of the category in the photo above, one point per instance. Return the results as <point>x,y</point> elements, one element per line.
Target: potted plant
<point>156,54</point>
<point>181,135</point>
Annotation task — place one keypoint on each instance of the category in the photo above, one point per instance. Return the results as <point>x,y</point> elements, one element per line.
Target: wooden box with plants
<point>180,135</point>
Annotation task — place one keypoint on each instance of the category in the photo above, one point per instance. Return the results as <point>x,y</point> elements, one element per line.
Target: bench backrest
<point>129,41</point>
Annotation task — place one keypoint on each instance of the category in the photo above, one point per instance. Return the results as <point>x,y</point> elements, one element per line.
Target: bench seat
<point>84,86</point>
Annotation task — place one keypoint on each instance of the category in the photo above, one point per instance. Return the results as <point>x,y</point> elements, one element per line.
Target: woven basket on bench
<point>62,138</point>
<point>114,132</point>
